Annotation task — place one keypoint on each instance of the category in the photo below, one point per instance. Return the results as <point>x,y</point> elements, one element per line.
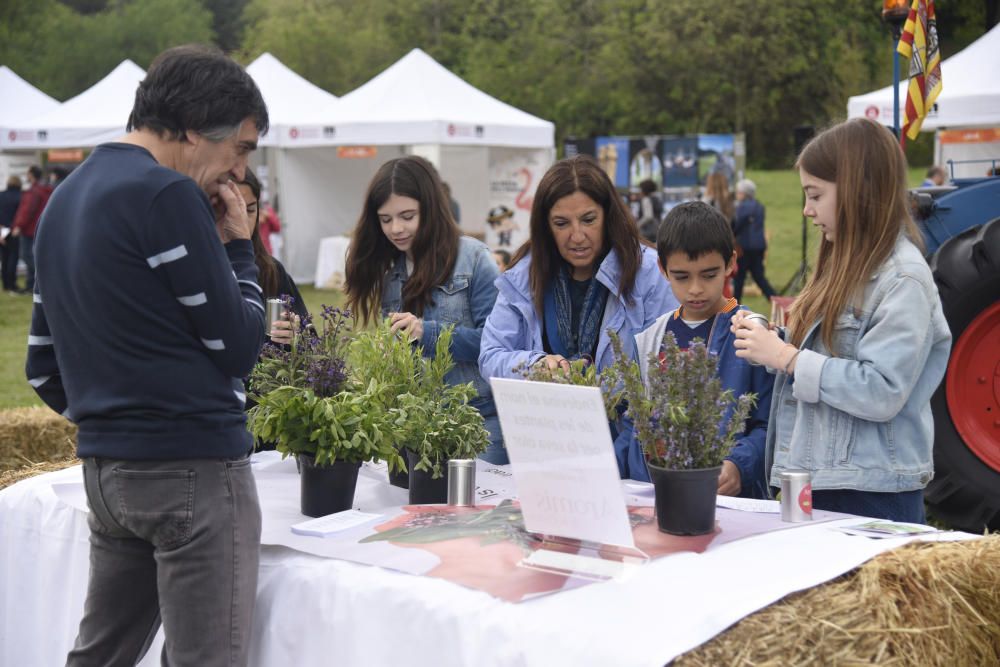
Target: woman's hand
<point>283,330</point>
<point>554,362</point>
<point>760,345</point>
<point>408,322</point>
<point>730,482</point>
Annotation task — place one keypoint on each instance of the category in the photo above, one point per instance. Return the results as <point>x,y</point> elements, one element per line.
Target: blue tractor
<point>961,227</point>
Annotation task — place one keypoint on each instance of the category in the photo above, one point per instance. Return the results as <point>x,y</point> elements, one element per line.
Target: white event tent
<point>416,106</point>
<point>21,101</point>
<point>290,98</point>
<point>970,98</point>
<point>96,115</point>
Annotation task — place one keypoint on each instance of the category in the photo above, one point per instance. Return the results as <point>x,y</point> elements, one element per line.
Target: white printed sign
<point>563,460</point>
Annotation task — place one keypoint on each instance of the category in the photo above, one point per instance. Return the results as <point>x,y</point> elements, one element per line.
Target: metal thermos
<point>759,319</point>
<point>462,482</point>
<point>275,307</point>
<point>796,495</point>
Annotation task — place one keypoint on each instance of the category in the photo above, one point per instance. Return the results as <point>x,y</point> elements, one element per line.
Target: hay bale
<point>931,603</point>
<point>10,477</point>
<point>33,435</point>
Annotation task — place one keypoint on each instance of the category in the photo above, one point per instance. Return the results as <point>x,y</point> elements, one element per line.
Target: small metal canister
<point>275,307</point>
<point>759,319</point>
<point>796,495</point>
<point>462,482</point>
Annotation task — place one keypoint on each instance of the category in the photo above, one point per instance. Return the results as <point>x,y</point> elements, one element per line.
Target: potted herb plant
<point>313,405</point>
<point>433,420</point>
<point>678,414</point>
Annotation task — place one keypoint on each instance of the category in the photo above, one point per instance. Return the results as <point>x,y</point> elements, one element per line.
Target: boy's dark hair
<point>196,88</point>
<point>696,229</point>
<point>647,187</point>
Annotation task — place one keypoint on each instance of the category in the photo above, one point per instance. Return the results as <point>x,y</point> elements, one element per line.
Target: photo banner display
<point>679,165</point>
<point>514,174</point>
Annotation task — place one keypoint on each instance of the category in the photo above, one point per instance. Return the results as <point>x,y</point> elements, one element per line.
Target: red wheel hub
<point>973,386</point>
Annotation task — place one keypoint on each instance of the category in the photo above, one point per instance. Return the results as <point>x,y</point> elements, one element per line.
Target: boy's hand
<point>729,481</point>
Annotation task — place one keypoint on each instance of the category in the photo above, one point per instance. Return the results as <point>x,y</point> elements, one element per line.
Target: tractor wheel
<point>965,491</point>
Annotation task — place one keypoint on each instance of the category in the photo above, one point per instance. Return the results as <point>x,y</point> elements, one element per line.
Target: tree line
<point>593,67</point>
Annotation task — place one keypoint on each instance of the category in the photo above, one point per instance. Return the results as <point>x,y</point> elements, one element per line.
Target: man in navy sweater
<point>147,314</point>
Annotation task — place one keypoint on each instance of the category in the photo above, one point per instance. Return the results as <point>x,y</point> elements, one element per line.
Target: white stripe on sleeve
<point>167,256</point>
<point>240,395</point>
<point>254,302</point>
<point>194,299</point>
<point>213,343</point>
<point>39,340</point>
<point>36,297</point>
<point>251,284</point>
<point>39,381</point>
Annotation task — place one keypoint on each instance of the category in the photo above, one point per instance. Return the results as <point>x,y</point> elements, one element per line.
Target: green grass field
<point>778,190</point>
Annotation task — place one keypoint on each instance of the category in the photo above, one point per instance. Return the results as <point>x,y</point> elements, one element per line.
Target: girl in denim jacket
<point>868,340</point>
<point>409,262</point>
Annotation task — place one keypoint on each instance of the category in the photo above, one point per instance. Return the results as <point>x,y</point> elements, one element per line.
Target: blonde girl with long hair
<point>867,342</point>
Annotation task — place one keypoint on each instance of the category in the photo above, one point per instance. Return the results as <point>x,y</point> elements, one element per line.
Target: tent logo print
<point>329,131</point>
<point>872,112</point>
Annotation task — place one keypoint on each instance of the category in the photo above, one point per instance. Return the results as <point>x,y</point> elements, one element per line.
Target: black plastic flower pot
<point>326,489</point>
<point>685,499</point>
<point>423,489</point>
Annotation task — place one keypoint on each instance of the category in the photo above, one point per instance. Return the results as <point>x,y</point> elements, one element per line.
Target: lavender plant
<point>678,412</point>
<point>310,400</point>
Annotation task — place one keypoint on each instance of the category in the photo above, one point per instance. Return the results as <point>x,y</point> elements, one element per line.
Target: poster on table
<point>514,174</point>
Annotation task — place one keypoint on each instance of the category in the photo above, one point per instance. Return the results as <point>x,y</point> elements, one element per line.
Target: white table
<point>319,611</point>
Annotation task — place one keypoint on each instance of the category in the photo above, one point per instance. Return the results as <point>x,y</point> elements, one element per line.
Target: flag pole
<point>894,13</point>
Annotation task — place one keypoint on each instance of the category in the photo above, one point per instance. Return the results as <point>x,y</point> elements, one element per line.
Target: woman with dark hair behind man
<point>582,272</point>
<point>409,262</point>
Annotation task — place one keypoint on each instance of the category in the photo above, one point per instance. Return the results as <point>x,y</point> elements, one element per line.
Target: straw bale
<point>10,477</point>
<point>931,603</point>
<point>33,435</point>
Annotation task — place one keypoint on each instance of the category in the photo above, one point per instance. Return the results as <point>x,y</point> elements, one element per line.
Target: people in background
<point>582,272</point>
<point>935,176</point>
<point>748,226</point>
<point>696,252</point>
<point>147,313</point>
<point>456,210</point>
<point>502,258</point>
<point>717,195</point>
<point>10,199</point>
<point>868,341</point>
<point>409,262</point>
<point>270,225</point>
<point>650,210</point>
<point>29,211</point>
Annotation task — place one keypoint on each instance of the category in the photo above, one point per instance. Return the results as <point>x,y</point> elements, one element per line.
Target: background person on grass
<point>408,261</point>
<point>9,201</point>
<point>696,252</point>
<point>748,227</point>
<point>869,342</point>
<point>582,272</point>
<point>147,314</point>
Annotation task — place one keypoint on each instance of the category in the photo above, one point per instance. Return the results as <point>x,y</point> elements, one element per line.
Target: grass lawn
<point>779,191</point>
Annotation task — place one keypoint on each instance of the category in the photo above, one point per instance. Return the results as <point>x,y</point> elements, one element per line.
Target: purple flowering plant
<point>311,400</point>
<point>679,410</point>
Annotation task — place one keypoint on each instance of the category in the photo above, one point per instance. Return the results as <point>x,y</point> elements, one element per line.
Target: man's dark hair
<point>35,171</point>
<point>196,88</point>
<point>647,187</point>
<point>696,229</point>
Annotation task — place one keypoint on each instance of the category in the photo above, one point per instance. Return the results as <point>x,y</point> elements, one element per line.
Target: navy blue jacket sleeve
<point>748,453</point>
<point>217,283</point>
<point>41,367</point>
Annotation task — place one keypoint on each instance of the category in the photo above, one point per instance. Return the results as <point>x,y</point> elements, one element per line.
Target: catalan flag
<point>919,44</point>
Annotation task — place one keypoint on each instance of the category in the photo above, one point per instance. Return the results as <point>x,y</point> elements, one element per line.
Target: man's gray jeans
<point>174,541</point>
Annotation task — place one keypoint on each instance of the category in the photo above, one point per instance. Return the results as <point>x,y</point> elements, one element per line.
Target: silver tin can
<point>462,482</point>
<point>275,307</point>
<point>796,495</point>
<point>759,319</point>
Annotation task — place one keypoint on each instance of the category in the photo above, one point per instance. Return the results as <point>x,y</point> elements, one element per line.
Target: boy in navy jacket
<point>696,253</point>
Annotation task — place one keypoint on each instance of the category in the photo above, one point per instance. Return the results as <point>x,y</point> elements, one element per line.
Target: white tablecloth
<point>321,611</point>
